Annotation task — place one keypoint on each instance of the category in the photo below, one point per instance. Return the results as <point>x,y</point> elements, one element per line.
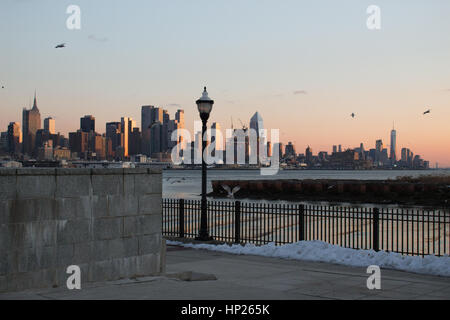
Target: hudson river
<point>187,183</point>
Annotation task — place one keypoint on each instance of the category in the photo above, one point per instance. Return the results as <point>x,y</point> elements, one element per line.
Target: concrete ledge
<point>108,171</point>
<point>36,171</point>
<point>8,171</point>
<point>72,171</point>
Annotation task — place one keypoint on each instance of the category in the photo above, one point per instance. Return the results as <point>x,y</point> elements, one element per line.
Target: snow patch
<point>320,251</point>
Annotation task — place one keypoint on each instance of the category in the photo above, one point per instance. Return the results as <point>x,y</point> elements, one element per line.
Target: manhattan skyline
<point>305,76</point>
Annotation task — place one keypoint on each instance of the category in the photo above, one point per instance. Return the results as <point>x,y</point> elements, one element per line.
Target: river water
<point>187,183</point>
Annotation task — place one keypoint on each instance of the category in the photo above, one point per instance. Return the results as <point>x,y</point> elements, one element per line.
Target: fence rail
<point>407,231</point>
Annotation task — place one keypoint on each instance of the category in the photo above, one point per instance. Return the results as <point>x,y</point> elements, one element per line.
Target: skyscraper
<point>14,137</point>
<point>87,123</point>
<point>31,124</point>
<point>49,125</point>
<point>149,115</point>
<point>393,153</point>
<point>257,124</point>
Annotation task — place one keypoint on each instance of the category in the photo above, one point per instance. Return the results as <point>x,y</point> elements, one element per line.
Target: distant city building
<point>14,138</point>
<point>31,122</point>
<point>49,125</point>
<point>289,150</point>
<point>87,123</point>
<point>393,153</point>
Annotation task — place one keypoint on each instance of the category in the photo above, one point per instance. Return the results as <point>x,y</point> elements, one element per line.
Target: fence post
<point>237,221</point>
<point>181,218</point>
<point>376,229</point>
<point>301,223</point>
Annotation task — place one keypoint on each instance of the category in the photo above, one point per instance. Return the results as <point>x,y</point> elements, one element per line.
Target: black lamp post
<point>204,105</point>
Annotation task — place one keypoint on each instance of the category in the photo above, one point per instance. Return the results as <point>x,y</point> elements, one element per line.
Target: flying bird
<point>231,192</point>
<point>62,45</point>
<point>428,111</point>
<point>353,115</point>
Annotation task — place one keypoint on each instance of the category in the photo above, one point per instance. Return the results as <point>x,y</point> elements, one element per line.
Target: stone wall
<point>106,221</point>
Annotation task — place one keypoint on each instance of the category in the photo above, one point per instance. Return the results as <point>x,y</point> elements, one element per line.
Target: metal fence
<point>407,231</point>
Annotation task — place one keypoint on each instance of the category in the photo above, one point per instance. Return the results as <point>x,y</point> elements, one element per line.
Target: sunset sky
<point>304,65</point>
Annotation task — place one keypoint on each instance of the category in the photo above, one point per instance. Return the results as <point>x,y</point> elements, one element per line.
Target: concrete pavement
<point>252,277</point>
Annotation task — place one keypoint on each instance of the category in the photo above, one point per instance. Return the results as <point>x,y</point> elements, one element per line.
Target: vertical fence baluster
<point>375,226</point>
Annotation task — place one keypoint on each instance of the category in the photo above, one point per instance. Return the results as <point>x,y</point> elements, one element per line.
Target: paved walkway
<point>252,277</point>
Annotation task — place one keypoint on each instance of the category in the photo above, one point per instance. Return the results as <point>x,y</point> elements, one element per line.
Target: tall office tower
<point>113,132</point>
<point>334,149</point>
<point>100,147</point>
<point>155,138</point>
<point>49,125</point>
<point>308,155</point>
<point>149,115</point>
<point>379,145</point>
<point>340,148</point>
<point>290,150</point>
<point>79,143</point>
<point>14,137</point>
<point>179,117</point>
<point>126,127</point>
<point>393,154</point>
<point>166,116</point>
<point>31,124</point>
<point>280,149</point>
<point>134,145</point>
<point>256,123</point>
<point>87,123</point>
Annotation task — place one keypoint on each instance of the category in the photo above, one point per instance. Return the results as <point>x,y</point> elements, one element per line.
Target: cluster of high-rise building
<point>356,158</point>
<point>124,140</point>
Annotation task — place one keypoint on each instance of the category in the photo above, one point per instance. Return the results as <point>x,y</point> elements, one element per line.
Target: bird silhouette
<point>231,192</point>
<point>428,111</point>
<point>62,45</point>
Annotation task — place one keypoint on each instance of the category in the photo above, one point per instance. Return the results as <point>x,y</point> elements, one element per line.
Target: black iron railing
<point>407,231</point>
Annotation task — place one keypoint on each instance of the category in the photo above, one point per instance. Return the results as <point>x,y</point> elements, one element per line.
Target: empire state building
<point>31,120</point>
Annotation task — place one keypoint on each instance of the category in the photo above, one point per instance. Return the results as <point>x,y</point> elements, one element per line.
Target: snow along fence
<point>407,231</point>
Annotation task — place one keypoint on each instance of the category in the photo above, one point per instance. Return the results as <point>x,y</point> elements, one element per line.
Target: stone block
<point>107,184</point>
<point>100,206</point>
<point>74,208</point>
<point>35,186</point>
<point>74,231</point>
<point>7,187</point>
<point>150,244</point>
<point>150,204</point>
<point>148,264</point>
<point>130,226</point>
<point>121,248</point>
<point>101,250</point>
<point>70,186</point>
<point>65,255</point>
<point>148,184</point>
<point>83,252</point>
<point>119,205</point>
<point>108,228</point>
<point>149,224</point>
<point>29,210</point>
<point>128,184</point>
<point>3,284</point>
<point>5,211</point>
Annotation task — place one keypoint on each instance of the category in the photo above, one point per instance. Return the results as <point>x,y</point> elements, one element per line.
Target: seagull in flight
<point>62,45</point>
<point>428,111</point>
<point>229,191</point>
